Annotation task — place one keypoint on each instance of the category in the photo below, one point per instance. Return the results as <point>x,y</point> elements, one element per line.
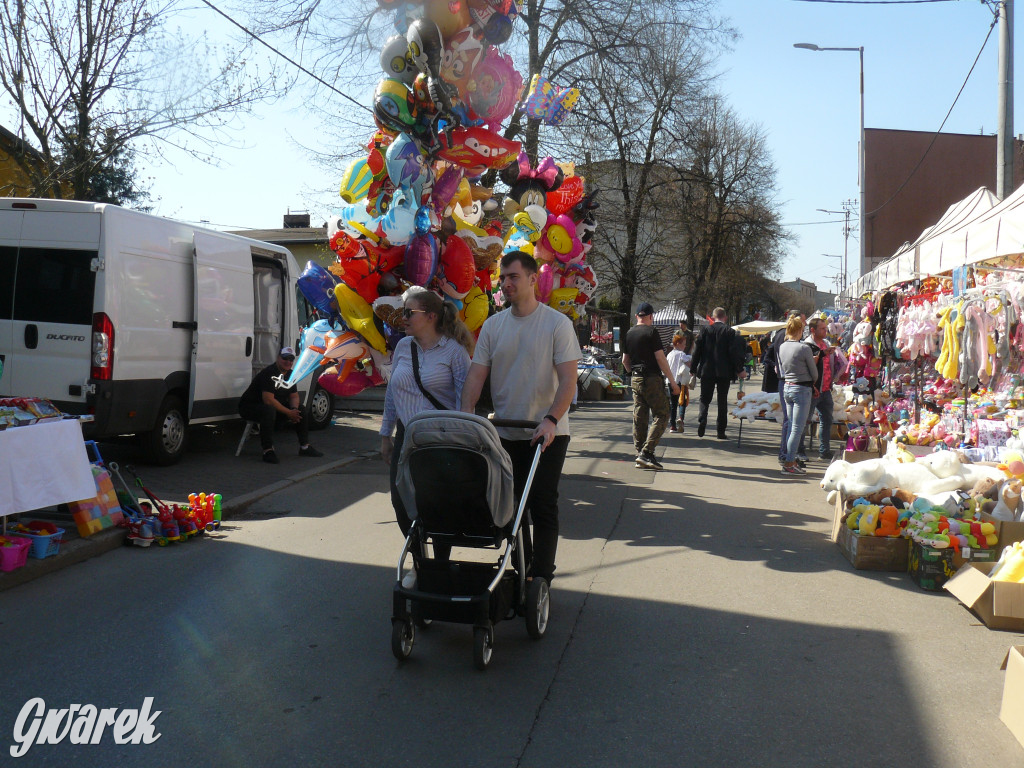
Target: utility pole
<point>848,206</point>
<point>1004,142</point>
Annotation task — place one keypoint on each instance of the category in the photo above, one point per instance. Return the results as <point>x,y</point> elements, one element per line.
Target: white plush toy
<point>947,464</point>
<point>867,477</point>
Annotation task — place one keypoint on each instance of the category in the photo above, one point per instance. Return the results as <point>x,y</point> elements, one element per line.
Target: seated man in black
<point>266,403</point>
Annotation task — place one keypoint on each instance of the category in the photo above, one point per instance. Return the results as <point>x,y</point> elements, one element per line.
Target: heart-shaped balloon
<point>566,196</point>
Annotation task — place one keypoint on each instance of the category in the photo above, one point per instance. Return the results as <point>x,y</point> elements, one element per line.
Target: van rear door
<point>52,314</point>
<point>223,332</point>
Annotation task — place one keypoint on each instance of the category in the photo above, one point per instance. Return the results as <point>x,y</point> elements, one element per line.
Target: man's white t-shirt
<point>522,353</point>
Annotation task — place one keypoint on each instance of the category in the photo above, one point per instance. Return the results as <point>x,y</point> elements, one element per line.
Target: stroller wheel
<point>403,635</point>
<point>538,607</point>
<point>483,647</point>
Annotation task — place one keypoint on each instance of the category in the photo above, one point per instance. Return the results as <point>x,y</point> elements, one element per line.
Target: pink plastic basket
<point>43,545</point>
<point>13,558</point>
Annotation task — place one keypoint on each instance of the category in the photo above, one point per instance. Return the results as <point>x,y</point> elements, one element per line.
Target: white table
<point>43,465</point>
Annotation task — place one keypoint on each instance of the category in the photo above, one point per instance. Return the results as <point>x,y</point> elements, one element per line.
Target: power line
<point>291,61</point>
<point>936,134</point>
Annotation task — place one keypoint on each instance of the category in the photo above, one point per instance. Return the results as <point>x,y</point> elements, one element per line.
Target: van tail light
<point>102,347</point>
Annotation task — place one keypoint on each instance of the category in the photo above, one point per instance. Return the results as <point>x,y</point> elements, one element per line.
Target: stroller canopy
<point>454,429</point>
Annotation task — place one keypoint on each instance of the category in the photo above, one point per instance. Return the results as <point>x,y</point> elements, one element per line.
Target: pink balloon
<point>545,281</point>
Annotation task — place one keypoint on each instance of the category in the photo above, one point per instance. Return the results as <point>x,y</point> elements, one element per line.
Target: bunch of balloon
<point>416,212</point>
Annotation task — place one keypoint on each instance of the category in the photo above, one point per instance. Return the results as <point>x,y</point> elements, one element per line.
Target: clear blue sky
<point>916,58</point>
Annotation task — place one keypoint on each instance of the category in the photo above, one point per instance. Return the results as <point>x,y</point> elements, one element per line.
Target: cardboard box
<point>873,553</point>
<point>1012,710</point>
<point>967,555</point>
<point>1000,604</point>
<point>854,456</point>
<point>930,568</point>
<point>1008,532</point>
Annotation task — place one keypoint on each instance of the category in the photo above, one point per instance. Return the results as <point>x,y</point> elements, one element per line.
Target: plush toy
<point>1013,465</point>
<point>1008,502</point>
<point>871,476</point>
<point>868,520</point>
<point>888,522</point>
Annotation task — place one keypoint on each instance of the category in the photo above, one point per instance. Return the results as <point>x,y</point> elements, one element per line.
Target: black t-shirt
<point>642,341</point>
<point>263,382</point>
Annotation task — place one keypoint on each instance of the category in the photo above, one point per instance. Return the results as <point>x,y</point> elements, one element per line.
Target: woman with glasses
<point>442,346</point>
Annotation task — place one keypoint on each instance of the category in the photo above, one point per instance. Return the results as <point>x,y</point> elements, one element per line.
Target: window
<point>54,285</point>
<point>8,257</point>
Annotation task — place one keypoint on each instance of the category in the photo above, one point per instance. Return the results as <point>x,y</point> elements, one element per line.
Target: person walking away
<point>530,352</point>
<point>428,372</point>
<point>828,367</point>
<point>679,363</point>
<point>717,360</point>
<point>645,362</point>
<point>268,405</point>
<point>799,373</point>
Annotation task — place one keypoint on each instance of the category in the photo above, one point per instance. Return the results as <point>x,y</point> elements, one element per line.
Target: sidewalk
<point>210,465</point>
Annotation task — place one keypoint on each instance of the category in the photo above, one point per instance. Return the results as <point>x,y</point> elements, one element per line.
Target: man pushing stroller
<point>530,352</point>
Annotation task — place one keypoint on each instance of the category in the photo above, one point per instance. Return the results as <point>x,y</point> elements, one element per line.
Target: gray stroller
<point>455,480</point>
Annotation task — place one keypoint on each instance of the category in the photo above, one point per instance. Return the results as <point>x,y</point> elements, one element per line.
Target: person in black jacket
<point>717,360</point>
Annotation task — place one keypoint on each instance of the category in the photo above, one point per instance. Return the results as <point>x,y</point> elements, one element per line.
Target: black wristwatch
<point>551,418</point>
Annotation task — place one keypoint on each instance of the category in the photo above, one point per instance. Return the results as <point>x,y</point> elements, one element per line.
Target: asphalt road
<point>700,618</point>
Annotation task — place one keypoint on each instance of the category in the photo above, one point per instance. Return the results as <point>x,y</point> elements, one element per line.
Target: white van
<point>146,323</point>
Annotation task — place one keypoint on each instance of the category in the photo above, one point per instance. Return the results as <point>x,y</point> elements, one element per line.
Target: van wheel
<point>166,442</point>
<point>321,408</point>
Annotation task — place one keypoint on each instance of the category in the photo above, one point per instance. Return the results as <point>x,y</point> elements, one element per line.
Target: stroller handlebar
<point>513,423</point>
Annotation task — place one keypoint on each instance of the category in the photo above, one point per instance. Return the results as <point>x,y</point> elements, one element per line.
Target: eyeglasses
<point>407,313</point>
<point>289,358</point>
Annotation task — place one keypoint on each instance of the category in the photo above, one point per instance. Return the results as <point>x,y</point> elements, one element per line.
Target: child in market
<point>679,363</point>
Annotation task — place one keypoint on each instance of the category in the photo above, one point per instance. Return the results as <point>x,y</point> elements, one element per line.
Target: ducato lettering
<point>63,337</point>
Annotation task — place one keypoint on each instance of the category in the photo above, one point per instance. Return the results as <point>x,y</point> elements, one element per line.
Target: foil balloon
<point>477,150</point>
<point>350,383</point>
<point>395,60</point>
<point>355,182</point>
<point>406,165</point>
<point>545,282</point>
<point>393,107</point>
<point>317,285</point>
<point>444,190</point>
<point>564,300</point>
<point>475,308</point>
<point>458,270</point>
<point>461,53</point>
<point>449,15</point>
<point>567,196</point>
<point>421,254</point>
<point>525,231</point>
<point>397,225</point>
<point>548,102</point>
<point>497,88</point>
<point>559,240</point>
<point>358,315</point>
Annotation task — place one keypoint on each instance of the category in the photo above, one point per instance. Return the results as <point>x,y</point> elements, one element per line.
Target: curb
<point>78,550</point>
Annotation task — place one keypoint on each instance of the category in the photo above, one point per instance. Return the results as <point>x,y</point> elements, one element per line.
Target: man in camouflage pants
<point>644,360</point>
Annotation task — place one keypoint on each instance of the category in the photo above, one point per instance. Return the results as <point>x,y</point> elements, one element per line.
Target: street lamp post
<point>860,154</point>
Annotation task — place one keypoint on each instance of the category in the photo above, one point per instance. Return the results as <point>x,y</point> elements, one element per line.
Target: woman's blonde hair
<point>447,320</point>
<point>794,328</point>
